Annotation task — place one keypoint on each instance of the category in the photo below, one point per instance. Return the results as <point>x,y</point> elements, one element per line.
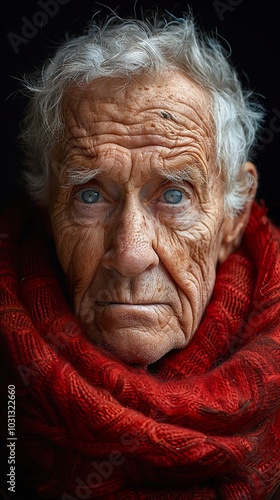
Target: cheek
<point>190,256</point>
<point>79,248</point>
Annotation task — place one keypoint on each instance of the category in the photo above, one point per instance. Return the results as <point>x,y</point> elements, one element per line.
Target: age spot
<point>167,116</point>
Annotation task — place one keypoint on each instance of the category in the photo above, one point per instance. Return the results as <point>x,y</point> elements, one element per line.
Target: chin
<point>138,352</point>
<point>141,359</point>
<point>133,333</point>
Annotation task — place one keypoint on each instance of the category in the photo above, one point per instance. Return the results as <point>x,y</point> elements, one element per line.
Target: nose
<point>130,244</point>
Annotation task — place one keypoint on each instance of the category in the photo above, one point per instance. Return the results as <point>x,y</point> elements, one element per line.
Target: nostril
<point>130,261</point>
<point>153,264</point>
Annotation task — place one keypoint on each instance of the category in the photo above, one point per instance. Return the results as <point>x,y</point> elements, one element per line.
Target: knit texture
<point>201,423</point>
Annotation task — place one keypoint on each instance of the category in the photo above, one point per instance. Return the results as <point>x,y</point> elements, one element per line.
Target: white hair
<point>125,48</point>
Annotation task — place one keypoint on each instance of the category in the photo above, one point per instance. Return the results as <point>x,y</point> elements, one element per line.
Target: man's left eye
<point>88,196</point>
<point>173,196</point>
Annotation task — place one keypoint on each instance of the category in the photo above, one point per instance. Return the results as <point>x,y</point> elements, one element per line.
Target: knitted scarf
<point>201,423</point>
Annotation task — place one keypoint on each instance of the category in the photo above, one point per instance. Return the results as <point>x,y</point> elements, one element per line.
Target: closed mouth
<point>102,303</point>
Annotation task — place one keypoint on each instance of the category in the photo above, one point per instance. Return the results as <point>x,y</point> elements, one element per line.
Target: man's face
<point>138,238</point>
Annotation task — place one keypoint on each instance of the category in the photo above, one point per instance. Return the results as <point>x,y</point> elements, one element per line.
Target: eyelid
<point>183,186</point>
<point>175,188</point>
<point>78,188</point>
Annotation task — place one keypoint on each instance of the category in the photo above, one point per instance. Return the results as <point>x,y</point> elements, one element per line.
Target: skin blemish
<point>167,116</point>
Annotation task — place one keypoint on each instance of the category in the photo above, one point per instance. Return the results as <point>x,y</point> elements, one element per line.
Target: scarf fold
<point>201,423</point>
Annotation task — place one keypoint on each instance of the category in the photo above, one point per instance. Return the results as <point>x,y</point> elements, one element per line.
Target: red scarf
<point>201,423</point>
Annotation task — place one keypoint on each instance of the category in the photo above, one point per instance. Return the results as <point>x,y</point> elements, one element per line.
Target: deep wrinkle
<point>132,245</point>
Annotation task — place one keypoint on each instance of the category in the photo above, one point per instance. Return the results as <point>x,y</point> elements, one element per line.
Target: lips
<point>139,309</point>
<point>119,316</point>
<point>112,303</point>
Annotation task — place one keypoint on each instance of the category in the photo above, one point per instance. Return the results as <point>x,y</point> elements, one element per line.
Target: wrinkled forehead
<point>171,99</point>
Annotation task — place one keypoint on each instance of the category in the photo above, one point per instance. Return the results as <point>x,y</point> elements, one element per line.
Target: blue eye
<point>173,196</point>
<point>89,196</point>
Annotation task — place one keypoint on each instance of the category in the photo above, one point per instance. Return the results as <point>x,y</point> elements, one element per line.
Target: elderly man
<point>140,300</point>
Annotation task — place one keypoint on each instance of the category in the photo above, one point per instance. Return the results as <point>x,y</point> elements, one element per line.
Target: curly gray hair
<point>124,48</point>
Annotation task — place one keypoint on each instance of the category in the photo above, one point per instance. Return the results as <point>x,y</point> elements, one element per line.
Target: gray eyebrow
<point>75,176</point>
<point>192,173</point>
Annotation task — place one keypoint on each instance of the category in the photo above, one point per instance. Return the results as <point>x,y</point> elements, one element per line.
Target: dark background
<point>250,28</point>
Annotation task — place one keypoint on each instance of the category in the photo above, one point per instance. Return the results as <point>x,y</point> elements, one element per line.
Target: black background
<point>250,28</point>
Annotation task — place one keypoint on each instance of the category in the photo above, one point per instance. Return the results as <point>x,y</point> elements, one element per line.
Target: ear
<point>234,227</point>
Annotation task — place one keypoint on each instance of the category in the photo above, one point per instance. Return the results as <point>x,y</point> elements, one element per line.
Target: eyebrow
<point>76,176</point>
<point>192,173</point>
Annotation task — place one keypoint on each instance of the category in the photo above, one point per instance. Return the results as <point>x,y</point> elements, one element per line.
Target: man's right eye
<point>88,196</point>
